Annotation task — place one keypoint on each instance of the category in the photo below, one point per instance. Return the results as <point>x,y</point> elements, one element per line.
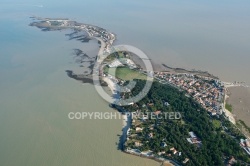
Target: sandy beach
<point>230,115</point>
<point>239,98</point>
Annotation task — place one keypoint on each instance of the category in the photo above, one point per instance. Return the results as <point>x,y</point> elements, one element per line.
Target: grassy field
<point>216,123</point>
<point>229,107</point>
<point>114,56</point>
<point>125,73</point>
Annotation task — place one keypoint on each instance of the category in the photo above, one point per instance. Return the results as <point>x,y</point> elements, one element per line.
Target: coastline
<point>237,95</point>
<point>228,114</point>
<point>126,122</point>
<point>162,162</point>
<point>239,99</point>
<point>182,70</point>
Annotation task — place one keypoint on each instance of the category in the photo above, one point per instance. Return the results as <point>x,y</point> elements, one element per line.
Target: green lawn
<point>216,123</point>
<point>229,107</point>
<point>125,73</point>
<point>121,55</point>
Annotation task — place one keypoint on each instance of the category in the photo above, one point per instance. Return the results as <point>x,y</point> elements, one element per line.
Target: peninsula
<point>204,134</point>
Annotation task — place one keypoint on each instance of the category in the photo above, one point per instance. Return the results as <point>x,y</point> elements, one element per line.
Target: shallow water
<point>36,97</point>
<point>239,98</point>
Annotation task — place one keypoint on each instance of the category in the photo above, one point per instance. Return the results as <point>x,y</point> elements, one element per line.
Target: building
<point>138,129</point>
<point>192,135</point>
<point>193,138</point>
<point>185,161</point>
<point>115,63</point>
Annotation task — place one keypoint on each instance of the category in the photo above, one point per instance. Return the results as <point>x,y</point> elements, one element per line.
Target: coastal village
<point>102,35</point>
<point>208,92</point>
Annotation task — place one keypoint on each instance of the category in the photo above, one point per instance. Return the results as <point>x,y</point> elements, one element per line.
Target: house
<point>213,113</point>
<point>192,135</point>
<point>157,112</point>
<point>185,161</point>
<point>247,143</point>
<point>147,153</point>
<point>138,144</point>
<point>116,63</point>
<point>163,144</point>
<point>173,150</point>
<point>242,142</point>
<point>193,138</point>
<point>166,103</point>
<point>151,135</point>
<point>161,153</point>
<point>231,161</point>
<point>138,129</point>
<point>150,104</point>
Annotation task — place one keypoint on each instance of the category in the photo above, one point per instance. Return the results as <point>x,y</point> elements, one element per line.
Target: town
<point>206,91</point>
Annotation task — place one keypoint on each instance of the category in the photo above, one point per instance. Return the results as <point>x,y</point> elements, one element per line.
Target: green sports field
<point>125,73</point>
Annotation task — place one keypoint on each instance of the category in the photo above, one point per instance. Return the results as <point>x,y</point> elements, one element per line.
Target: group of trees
<point>217,145</point>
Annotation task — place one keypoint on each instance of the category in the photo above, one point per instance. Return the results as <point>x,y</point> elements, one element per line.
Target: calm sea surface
<point>36,95</point>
